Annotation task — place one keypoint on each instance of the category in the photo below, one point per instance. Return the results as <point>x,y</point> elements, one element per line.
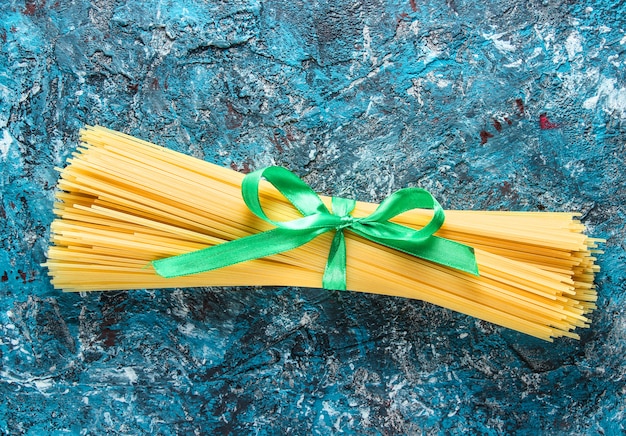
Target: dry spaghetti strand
<point>123,202</point>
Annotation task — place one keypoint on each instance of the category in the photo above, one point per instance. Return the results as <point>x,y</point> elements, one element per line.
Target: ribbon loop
<point>316,220</point>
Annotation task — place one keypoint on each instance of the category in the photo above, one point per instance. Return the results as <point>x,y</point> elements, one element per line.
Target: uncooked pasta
<point>122,203</point>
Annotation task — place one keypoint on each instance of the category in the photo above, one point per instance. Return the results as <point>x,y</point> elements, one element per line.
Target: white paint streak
<point>5,143</point>
<point>43,384</point>
<point>613,99</point>
<point>516,64</point>
<point>614,60</point>
<point>367,45</point>
<point>431,54</point>
<point>437,80</point>
<point>536,52</point>
<point>501,45</point>
<point>573,45</point>
<point>558,57</point>
<point>161,42</point>
<point>548,36</point>
<point>385,64</point>
<point>130,373</point>
<point>415,90</point>
<point>187,329</point>
<point>591,102</point>
<point>329,409</point>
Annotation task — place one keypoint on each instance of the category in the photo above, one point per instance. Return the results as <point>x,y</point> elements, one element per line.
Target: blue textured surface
<point>359,98</point>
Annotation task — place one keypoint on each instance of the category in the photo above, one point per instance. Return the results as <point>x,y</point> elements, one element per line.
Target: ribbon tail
<point>435,249</point>
<point>334,278</point>
<point>450,253</point>
<point>236,251</point>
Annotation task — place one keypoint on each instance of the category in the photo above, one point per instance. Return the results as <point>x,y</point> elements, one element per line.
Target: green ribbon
<point>316,220</point>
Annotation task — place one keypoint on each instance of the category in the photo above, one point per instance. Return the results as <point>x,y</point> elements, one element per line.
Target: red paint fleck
<point>233,118</point>
<point>109,336</point>
<point>12,205</point>
<point>276,141</point>
<point>546,124</point>
<point>400,18</point>
<point>520,106</point>
<point>25,277</point>
<point>3,35</point>
<point>154,84</point>
<point>497,125</point>
<point>13,29</point>
<point>5,277</point>
<point>244,168</point>
<point>413,4</point>
<point>484,136</point>
<point>283,142</point>
<point>506,188</point>
<point>32,6</point>
<point>133,87</point>
<point>508,121</point>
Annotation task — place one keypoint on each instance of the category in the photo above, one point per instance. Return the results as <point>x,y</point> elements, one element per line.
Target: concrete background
<point>504,104</point>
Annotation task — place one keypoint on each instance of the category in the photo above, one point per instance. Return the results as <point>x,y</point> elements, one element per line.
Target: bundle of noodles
<point>123,202</point>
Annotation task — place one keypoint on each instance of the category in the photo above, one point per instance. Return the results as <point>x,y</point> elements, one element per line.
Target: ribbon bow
<point>316,220</point>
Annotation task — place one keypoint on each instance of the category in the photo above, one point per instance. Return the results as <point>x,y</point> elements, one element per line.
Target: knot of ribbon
<point>317,219</point>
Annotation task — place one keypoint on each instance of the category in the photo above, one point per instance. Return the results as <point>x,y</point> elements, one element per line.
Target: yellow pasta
<point>123,202</point>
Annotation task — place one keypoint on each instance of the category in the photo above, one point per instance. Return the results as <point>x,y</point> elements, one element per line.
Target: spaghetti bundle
<point>123,203</point>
